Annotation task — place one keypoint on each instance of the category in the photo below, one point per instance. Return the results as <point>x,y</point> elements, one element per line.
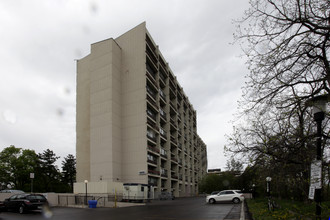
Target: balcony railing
<point>153,149</point>
<point>151,71</point>
<point>162,63</point>
<point>152,56</point>
<point>174,176</point>
<point>152,80</point>
<point>162,114</point>
<point>153,172</point>
<point>151,135</point>
<point>151,114</point>
<point>152,161</point>
<point>149,43</point>
<point>152,102</point>
<point>163,132</point>
<point>152,125</point>
<point>173,139</point>
<point>152,181</point>
<point>162,77</point>
<point>174,159</point>
<point>173,106</point>
<point>162,94</point>
<point>163,152</point>
<point>163,172</point>
<point>152,93</point>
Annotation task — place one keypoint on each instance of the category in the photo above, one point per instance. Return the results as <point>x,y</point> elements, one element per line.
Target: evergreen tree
<point>69,171</point>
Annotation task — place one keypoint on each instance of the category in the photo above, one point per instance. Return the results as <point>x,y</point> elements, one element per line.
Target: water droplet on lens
<point>9,116</point>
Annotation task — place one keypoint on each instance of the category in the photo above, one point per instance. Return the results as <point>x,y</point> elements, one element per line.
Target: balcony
<point>173,140</point>
<point>172,93</point>
<point>174,159</point>
<point>163,133</point>
<point>173,109</point>
<point>151,114</point>
<point>152,159</point>
<point>178,105</point>
<point>152,181</point>
<point>152,56</point>
<point>152,93</point>
<point>152,102</point>
<point>152,162</point>
<point>151,69</point>
<point>179,117</point>
<point>151,135</point>
<point>163,172</point>
<point>162,95</point>
<point>153,172</point>
<point>152,124</point>
<point>162,62</point>
<point>162,79</point>
<point>162,114</point>
<point>163,153</point>
<point>175,176</point>
<point>173,125</point>
<point>153,149</point>
<point>150,43</point>
<point>151,80</point>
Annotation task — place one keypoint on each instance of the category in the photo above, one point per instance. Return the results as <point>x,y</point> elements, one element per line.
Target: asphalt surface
<point>181,209</point>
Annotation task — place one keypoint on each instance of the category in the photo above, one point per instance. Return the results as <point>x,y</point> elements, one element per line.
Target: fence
<point>103,200</point>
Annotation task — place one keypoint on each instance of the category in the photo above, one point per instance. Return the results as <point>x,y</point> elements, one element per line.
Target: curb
<point>242,216</point>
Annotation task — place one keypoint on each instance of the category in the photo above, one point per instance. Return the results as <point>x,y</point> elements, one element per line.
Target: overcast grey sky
<point>40,39</point>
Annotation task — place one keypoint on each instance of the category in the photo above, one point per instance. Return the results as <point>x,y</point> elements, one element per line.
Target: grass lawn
<point>287,210</point>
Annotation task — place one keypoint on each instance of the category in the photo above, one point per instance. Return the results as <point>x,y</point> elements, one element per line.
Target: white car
<point>235,196</point>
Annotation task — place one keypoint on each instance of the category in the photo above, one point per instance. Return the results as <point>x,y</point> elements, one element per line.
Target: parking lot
<point>185,208</point>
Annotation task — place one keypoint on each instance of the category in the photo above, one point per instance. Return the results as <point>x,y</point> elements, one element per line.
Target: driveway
<point>180,209</point>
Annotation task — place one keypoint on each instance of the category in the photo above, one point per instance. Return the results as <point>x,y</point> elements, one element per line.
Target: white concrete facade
<point>134,122</point>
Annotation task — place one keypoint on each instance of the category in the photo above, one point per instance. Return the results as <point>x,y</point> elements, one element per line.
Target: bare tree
<point>287,46</point>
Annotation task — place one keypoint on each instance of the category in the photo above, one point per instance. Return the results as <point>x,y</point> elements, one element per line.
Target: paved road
<point>180,209</point>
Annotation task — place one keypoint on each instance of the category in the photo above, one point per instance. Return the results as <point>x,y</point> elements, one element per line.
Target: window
<point>20,196</point>
<point>13,197</point>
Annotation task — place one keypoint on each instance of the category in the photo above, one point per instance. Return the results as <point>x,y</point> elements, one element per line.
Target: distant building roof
<point>214,170</point>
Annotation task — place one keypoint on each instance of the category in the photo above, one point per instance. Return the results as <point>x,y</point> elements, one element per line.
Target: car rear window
<point>13,197</point>
<point>20,196</point>
<point>38,197</point>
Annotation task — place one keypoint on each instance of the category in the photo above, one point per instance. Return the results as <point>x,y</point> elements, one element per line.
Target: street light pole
<point>318,117</point>
<point>268,179</point>
<point>86,181</point>
<point>319,105</point>
<point>31,177</point>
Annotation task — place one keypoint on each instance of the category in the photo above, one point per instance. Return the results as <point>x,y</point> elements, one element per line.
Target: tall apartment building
<point>134,122</point>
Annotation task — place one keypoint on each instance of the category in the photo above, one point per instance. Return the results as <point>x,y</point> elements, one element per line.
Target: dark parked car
<point>2,206</point>
<point>166,195</point>
<point>25,202</point>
